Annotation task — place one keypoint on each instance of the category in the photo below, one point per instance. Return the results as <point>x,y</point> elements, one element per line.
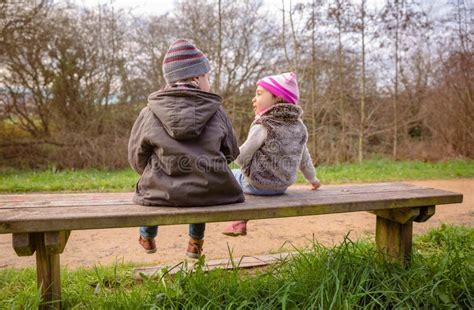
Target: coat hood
<point>184,112</point>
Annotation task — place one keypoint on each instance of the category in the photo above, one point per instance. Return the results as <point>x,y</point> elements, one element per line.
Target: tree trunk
<point>217,79</point>
<point>362,97</point>
<point>395,101</point>
<point>314,145</point>
<point>340,60</point>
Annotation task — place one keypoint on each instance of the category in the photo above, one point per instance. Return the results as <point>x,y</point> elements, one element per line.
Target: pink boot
<point>238,228</point>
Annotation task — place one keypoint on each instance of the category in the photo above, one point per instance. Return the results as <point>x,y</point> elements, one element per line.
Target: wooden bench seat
<point>42,223</point>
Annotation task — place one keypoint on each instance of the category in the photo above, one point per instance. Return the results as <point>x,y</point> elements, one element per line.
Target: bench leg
<point>48,274</point>
<point>48,246</point>
<point>394,240</point>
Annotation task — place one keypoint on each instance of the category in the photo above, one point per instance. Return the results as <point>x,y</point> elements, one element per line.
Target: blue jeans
<point>247,188</point>
<point>196,231</point>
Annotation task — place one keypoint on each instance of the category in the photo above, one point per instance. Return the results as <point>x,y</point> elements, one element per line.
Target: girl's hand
<point>315,184</point>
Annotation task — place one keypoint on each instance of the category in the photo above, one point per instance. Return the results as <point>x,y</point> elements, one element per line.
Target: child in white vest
<point>276,144</point>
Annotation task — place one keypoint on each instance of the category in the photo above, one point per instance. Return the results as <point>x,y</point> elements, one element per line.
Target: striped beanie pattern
<point>283,85</point>
<point>183,61</point>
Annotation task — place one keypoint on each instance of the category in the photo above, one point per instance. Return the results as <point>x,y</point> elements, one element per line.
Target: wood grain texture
<point>24,244</point>
<point>402,215</point>
<point>394,240</point>
<point>101,199</point>
<point>425,214</point>
<point>56,212</point>
<point>55,241</point>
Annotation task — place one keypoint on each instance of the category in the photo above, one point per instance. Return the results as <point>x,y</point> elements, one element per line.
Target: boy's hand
<point>315,184</point>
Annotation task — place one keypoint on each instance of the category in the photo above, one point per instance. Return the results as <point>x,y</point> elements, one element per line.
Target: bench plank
<point>90,199</point>
<point>297,202</point>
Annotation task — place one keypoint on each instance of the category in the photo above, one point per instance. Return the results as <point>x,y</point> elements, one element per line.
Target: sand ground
<point>106,246</point>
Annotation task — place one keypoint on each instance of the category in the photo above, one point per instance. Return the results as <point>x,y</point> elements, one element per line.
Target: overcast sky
<point>157,7</point>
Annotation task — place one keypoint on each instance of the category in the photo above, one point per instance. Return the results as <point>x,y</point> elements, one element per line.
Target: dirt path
<point>106,246</point>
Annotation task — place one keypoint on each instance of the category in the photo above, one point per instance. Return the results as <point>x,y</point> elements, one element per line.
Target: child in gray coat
<point>181,145</point>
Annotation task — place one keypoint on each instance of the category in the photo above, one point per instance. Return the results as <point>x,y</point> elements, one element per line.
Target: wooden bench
<point>42,223</point>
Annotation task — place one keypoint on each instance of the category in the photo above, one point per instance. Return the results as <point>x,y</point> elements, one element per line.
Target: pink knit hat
<point>283,85</point>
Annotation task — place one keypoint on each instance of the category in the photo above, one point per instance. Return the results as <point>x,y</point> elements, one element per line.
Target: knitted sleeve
<point>255,139</point>
<point>307,166</point>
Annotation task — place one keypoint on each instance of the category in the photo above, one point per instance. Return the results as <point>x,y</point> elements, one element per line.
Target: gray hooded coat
<point>181,144</point>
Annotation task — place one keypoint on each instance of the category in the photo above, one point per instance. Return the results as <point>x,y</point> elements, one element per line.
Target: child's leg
<point>147,238</point>
<point>239,228</point>
<point>196,231</point>
<point>248,188</point>
<point>196,240</point>
<point>148,232</point>
<point>238,176</point>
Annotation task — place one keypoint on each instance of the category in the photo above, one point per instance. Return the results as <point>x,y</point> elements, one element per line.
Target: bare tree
<point>26,33</point>
<point>340,13</point>
<point>314,145</point>
<point>450,116</point>
<point>217,76</point>
<point>243,51</point>
<point>72,78</point>
<point>400,20</point>
<point>149,39</point>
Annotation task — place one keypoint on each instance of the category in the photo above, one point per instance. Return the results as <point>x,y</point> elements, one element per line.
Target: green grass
<point>67,180</point>
<point>389,170</point>
<point>124,180</point>
<point>349,276</point>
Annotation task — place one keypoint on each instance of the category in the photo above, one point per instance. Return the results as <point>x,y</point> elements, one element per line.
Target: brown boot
<point>148,244</point>
<point>194,248</point>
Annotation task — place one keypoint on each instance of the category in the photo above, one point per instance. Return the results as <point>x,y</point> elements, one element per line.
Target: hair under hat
<point>183,61</point>
<point>283,85</point>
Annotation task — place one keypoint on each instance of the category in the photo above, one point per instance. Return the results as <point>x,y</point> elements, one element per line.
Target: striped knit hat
<point>183,61</point>
<point>283,85</point>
